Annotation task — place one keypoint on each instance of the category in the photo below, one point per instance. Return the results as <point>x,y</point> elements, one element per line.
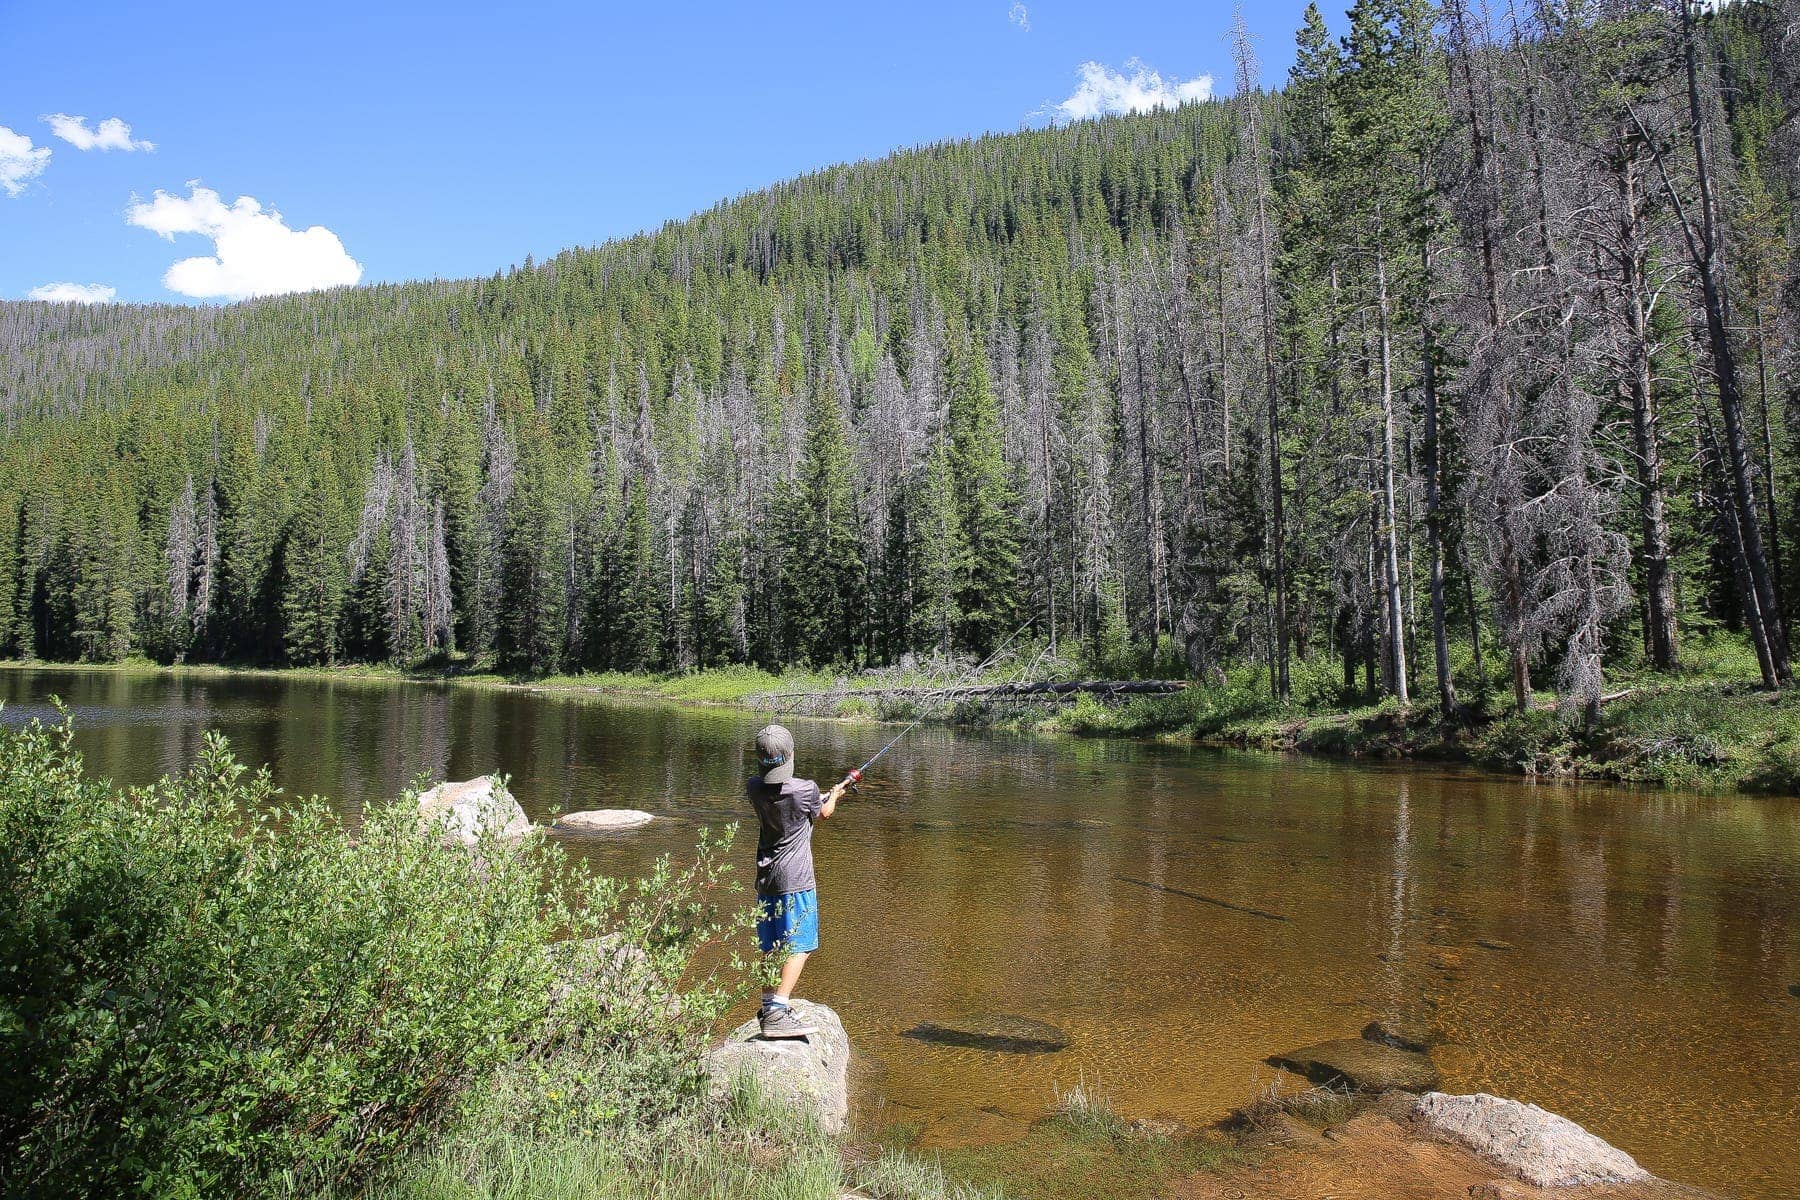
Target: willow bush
<point>207,988</point>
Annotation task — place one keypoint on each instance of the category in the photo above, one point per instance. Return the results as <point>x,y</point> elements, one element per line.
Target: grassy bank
<point>1081,1150</point>
<point>1707,726</point>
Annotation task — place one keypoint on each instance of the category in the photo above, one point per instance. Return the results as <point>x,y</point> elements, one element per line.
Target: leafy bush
<point>208,990</point>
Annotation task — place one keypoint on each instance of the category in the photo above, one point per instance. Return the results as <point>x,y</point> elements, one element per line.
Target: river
<point>1180,913</point>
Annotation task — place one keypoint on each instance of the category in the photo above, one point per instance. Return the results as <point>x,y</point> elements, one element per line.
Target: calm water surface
<point>1654,936</point>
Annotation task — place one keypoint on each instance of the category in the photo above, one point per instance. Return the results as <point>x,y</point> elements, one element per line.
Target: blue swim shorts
<point>788,922</point>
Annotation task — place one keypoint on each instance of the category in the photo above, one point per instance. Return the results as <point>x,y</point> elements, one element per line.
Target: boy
<point>787,895</point>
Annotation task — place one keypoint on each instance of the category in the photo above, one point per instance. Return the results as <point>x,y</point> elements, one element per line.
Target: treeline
<point>1474,345</point>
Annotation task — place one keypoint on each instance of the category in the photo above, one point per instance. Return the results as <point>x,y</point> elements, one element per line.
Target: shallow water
<point>1180,914</point>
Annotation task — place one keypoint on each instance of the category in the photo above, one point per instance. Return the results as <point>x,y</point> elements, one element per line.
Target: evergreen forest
<point>1469,354</point>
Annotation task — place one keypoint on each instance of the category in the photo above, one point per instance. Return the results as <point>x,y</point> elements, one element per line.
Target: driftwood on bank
<point>1039,690</point>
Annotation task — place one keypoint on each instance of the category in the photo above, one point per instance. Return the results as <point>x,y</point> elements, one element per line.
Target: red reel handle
<point>851,780</point>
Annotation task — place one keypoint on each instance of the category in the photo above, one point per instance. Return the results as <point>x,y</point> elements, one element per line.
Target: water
<point>1653,936</point>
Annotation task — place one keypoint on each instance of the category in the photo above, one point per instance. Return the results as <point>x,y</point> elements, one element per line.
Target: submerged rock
<point>602,820</point>
<point>809,1074</point>
<point>1001,1035</point>
<point>1525,1141</point>
<point>1400,1033</point>
<point>1494,944</point>
<point>464,812</point>
<point>1794,989</point>
<point>1363,1066</point>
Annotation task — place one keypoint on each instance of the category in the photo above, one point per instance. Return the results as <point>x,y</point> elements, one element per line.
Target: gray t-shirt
<point>784,860</point>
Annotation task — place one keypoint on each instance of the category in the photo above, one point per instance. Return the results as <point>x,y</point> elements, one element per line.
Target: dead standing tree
<point>1702,237</point>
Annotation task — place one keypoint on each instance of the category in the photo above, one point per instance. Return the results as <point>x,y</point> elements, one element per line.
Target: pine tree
<point>939,556</point>
<point>9,574</point>
<point>821,559</point>
<point>313,594</point>
<point>986,504</point>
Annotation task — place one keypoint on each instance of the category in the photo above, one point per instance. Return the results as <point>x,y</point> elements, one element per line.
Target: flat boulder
<point>808,1074</point>
<point>998,1034</point>
<point>1363,1066</point>
<point>602,820</point>
<point>1525,1141</point>
<point>465,812</point>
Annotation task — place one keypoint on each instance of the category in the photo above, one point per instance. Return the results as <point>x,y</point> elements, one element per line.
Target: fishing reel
<point>850,782</point>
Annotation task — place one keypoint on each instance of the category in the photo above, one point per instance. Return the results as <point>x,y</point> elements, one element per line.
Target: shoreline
<point>1693,734</point>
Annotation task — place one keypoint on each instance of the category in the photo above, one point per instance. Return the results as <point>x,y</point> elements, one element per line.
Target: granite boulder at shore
<point>808,1074</point>
<point>465,812</point>
<point>1525,1141</point>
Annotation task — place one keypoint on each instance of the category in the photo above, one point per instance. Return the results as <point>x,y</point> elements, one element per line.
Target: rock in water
<point>1794,989</point>
<point>1361,1065</point>
<point>1524,1141</point>
<point>1400,1032</point>
<point>463,812</point>
<point>809,1074</point>
<point>603,820</point>
<point>1002,1035</point>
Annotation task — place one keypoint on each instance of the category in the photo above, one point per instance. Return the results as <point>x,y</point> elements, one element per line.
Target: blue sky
<point>408,140</point>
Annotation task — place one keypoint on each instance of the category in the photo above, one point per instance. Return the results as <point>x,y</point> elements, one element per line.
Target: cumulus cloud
<point>254,252</point>
<point>20,161</point>
<point>73,293</point>
<point>1103,91</point>
<point>110,134</point>
<point>1019,15</point>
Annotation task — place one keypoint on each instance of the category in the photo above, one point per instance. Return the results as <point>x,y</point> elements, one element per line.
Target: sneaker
<point>780,1021</point>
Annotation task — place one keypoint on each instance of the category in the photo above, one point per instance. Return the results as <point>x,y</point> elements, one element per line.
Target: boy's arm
<point>831,799</point>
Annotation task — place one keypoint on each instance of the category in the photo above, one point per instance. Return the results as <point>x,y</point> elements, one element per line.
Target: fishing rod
<point>855,777</point>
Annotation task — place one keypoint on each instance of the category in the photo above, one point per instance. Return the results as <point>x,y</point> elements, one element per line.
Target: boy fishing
<point>787,895</point>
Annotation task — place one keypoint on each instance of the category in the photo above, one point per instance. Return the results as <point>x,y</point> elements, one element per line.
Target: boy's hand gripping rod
<point>850,781</point>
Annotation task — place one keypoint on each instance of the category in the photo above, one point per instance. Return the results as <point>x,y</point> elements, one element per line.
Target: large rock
<point>1364,1066</point>
<point>464,812</point>
<point>1526,1142</point>
<point>809,1074</point>
<point>603,820</point>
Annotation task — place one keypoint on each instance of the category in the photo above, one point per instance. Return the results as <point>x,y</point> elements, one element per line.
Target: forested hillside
<point>1474,348</point>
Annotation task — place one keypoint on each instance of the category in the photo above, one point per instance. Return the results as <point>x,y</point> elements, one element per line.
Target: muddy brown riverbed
<point>1622,957</point>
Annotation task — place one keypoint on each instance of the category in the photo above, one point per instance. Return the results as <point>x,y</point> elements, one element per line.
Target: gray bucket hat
<point>775,753</point>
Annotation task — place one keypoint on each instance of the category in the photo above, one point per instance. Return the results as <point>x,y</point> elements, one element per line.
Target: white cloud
<point>110,134</point>
<point>20,160</point>
<point>1104,91</point>
<point>1019,15</point>
<point>254,252</point>
<point>73,293</point>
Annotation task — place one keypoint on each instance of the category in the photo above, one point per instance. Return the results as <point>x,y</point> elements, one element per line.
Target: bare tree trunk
<point>1705,254</point>
<point>1658,578</point>
<point>1733,534</point>
<point>1508,564</point>
<point>1391,537</point>
<point>1246,83</point>
<point>1434,525</point>
<point>1221,210</point>
<point>1768,472</point>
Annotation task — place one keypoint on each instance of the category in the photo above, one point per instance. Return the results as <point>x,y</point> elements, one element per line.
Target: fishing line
<point>855,777</point>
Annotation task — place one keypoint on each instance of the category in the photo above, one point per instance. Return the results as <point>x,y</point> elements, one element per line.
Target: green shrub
<point>207,990</point>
